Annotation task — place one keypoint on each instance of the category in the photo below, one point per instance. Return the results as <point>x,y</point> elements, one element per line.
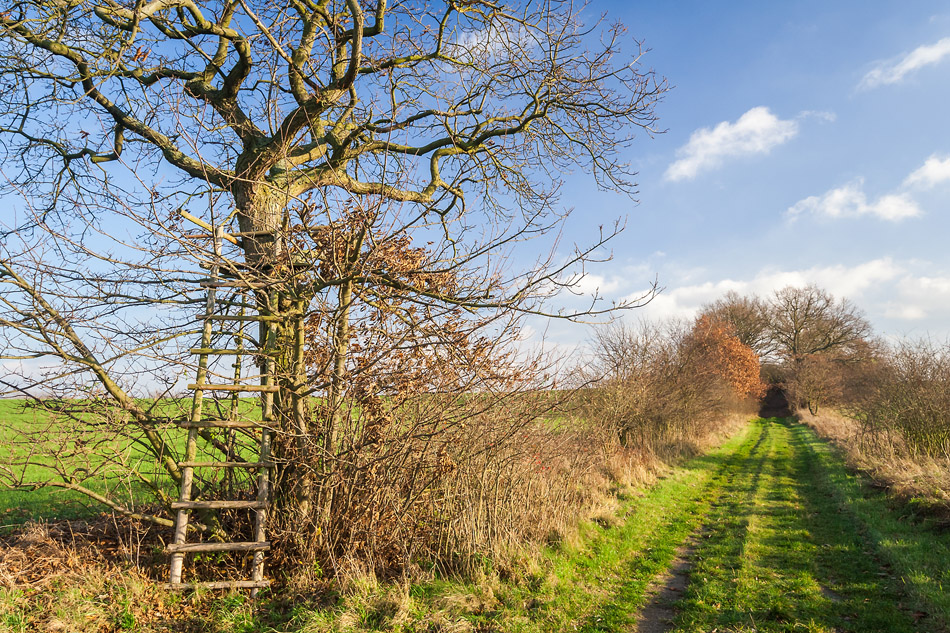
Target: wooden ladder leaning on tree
<point>215,313</point>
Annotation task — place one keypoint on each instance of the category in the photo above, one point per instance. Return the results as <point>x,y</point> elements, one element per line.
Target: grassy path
<point>781,551</point>
<point>778,538</point>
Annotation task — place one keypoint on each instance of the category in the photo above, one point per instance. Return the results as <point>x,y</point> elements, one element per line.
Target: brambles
<point>907,403</point>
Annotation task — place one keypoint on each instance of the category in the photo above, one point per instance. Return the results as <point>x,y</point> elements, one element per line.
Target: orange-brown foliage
<point>726,356</point>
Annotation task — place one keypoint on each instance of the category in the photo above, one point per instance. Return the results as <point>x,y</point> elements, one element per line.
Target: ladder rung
<point>252,546</point>
<point>226,464</point>
<point>236,304</point>
<point>218,505</point>
<point>256,388</point>
<point>236,284</point>
<point>237,317</point>
<point>261,232</point>
<point>220,424</point>
<point>230,352</point>
<point>220,584</point>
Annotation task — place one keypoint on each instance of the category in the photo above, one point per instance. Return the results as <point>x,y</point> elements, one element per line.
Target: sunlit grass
<point>107,459</point>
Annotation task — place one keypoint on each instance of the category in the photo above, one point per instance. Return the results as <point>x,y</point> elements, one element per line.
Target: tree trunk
<point>260,208</point>
<point>261,216</point>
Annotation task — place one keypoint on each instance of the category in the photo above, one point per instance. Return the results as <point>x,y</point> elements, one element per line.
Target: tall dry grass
<point>886,459</point>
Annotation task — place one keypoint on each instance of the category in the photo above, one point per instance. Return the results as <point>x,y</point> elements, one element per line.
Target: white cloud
<point>756,132</point>
<point>934,171</point>
<point>493,42</point>
<point>850,201</point>
<point>591,284</point>
<point>920,297</point>
<point>905,312</point>
<point>821,115</point>
<point>892,72</point>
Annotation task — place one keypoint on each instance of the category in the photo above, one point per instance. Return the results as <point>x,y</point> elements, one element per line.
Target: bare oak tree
<point>370,155</point>
<point>749,317</point>
<point>810,320</point>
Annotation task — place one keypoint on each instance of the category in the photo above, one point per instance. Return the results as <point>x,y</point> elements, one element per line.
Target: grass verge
<point>918,554</point>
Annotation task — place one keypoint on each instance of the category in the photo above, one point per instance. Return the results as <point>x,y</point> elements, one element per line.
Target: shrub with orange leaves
<point>719,351</point>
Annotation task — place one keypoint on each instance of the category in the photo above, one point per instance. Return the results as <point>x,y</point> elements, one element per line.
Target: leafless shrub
<point>666,386</point>
<point>907,406</point>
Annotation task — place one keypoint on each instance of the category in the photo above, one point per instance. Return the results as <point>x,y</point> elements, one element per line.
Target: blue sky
<point>805,142</point>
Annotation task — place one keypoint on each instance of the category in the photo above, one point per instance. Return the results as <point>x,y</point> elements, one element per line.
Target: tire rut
<point>775,552</point>
<point>658,615</point>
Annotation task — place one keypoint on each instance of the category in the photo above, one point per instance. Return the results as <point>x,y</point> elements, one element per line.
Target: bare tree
<point>365,155</point>
<point>749,317</point>
<point>809,320</point>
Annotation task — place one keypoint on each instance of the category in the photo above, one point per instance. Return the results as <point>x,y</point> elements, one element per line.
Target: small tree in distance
<point>808,320</point>
<point>748,316</point>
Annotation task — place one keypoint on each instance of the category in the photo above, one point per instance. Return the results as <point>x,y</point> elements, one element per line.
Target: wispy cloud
<point>821,115</point>
<point>850,201</point>
<point>894,71</point>
<point>933,172</point>
<point>755,132</point>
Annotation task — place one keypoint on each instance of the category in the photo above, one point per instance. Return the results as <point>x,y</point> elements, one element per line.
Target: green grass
<point>24,429</point>
<point>781,552</point>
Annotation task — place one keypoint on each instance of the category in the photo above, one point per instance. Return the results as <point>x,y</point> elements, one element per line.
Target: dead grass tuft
<point>920,480</point>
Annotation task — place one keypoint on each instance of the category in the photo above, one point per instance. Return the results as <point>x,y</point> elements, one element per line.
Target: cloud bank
<point>684,302</point>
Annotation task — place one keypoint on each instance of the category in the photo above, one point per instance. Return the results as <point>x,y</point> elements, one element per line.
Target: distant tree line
<point>819,349</point>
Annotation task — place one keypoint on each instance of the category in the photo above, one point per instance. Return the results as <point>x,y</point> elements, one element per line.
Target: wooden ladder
<point>197,424</point>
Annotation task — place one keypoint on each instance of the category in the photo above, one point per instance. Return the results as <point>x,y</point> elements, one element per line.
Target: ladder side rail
<point>235,410</point>
<point>263,495</point>
<point>197,403</point>
<point>268,336</point>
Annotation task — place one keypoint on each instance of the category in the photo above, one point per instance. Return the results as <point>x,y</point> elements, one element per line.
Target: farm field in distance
<point>23,428</point>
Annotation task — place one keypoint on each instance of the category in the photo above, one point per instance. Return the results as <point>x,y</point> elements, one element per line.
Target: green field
<point>100,454</point>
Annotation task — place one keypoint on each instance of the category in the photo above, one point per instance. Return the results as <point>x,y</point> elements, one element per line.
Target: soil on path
<point>657,616</point>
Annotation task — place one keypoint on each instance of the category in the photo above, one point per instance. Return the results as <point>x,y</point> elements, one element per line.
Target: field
<point>96,452</point>
<point>768,532</point>
<point>17,506</point>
